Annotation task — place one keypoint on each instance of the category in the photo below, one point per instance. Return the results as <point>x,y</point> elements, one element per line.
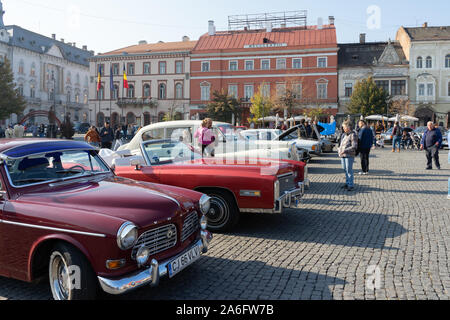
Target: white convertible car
<point>228,144</point>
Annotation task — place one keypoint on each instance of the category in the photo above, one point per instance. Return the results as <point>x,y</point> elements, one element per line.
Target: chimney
<point>85,48</point>
<point>211,28</point>
<point>425,25</point>
<point>319,23</point>
<point>62,40</point>
<point>186,39</point>
<point>362,38</point>
<point>74,44</point>
<point>142,42</point>
<point>331,20</point>
<point>269,26</point>
<point>54,36</point>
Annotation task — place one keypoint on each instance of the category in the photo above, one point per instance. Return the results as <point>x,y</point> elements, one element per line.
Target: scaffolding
<point>274,19</point>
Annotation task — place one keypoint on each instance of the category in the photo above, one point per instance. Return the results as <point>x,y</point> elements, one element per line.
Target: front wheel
<point>70,274</point>
<point>223,213</point>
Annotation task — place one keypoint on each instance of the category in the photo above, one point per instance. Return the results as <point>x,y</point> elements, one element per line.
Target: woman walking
<point>205,136</point>
<point>347,152</point>
<point>396,137</point>
<point>92,137</point>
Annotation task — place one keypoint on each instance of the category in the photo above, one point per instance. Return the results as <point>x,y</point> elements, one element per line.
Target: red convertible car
<point>252,185</point>
<point>65,215</point>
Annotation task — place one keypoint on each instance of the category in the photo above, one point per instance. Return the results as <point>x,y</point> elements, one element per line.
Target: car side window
<point>155,134</point>
<point>179,134</point>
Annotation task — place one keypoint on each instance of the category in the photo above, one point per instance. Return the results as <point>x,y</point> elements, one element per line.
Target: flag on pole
<point>99,79</point>
<point>125,80</point>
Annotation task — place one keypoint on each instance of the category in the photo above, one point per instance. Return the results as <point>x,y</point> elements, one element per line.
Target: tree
<point>286,102</point>
<point>368,98</point>
<point>401,106</point>
<point>10,99</point>
<point>67,130</point>
<point>223,107</point>
<point>261,106</point>
<point>173,114</point>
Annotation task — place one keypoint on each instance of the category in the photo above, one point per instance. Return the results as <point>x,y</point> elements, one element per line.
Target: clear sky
<point>104,25</point>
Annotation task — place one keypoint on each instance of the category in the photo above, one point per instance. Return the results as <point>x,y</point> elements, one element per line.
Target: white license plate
<point>183,261</point>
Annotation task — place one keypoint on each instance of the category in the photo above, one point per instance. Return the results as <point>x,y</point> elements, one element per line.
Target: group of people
<point>16,131</point>
<point>361,141</point>
<point>107,137</point>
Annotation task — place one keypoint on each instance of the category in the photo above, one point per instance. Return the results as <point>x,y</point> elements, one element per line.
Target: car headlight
<point>204,203</point>
<point>127,235</point>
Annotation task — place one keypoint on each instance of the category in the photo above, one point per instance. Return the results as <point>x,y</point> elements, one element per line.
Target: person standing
<point>106,136</point>
<point>396,137</point>
<point>365,143</point>
<point>431,143</point>
<point>347,151</point>
<point>205,135</point>
<point>92,137</point>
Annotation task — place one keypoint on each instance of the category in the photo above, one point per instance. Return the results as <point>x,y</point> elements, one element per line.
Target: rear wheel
<point>223,213</point>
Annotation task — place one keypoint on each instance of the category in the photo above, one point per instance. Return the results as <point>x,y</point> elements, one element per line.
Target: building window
<point>162,91</point>
<point>69,78</point>
<point>205,66</point>
<point>115,93</point>
<point>179,67</point>
<point>398,87</point>
<point>322,90</point>
<point>383,84</point>
<point>421,90</point>
<point>77,98</point>
<point>146,90</point>
<point>115,68</point>
<point>281,89</point>
<point>447,61</point>
<point>77,79</point>
<point>429,63</point>
<point>33,70</point>
<point>248,92</point>
<point>162,67</point>
<point>32,91</point>
<point>205,92</point>
<point>101,69</point>
<point>130,68</point>
<point>146,67</point>
<point>322,62</point>
<point>233,66</point>
<point>430,90</point>
<point>297,63</point>
<point>419,63</point>
<point>265,90</point>
<point>21,67</point>
<point>178,91</point>
<point>69,96</point>
<point>449,88</point>
<point>20,89</point>
<point>130,92</point>
<point>348,89</point>
<point>249,65</point>
<point>265,64</point>
<point>281,63</point>
<point>101,93</point>
<point>233,90</point>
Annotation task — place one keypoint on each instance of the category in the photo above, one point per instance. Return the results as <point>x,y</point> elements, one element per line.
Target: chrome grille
<point>287,182</point>
<point>157,240</point>
<point>190,225</point>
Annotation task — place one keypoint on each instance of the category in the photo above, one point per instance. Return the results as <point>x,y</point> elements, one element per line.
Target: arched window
<point>162,91</point>
<point>20,89</point>
<point>69,77</point>
<point>178,91</point>
<point>447,61</point>
<point>205,91</point>
<point>33,70</point>
<point>146,90</point>
<point>21,67</point>
<point>429,63</point>
<point>32,91</point>
<point>419,63</point>
<point>131,118</point>
<point>130,92</point>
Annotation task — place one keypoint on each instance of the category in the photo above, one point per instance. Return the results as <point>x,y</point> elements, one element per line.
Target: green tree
<point>368,98</point>
<point>223,106</point>
<point>67,130</point>
<point>261,106</point>
<point>10,99</point>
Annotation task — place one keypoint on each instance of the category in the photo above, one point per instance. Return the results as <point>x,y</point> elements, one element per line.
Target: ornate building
<point>50,74</point>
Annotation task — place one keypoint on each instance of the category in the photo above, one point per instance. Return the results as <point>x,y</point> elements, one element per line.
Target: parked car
<point>82,127</point>
<point>298,136</point>
<point>228,142</point>
<point>253,185</point>
<point>387,136</point>
<point>326,145</point>
<point>65,214</point>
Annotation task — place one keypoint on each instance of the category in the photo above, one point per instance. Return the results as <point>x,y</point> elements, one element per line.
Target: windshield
<point>168,152</point>
<point>53,166</point>
<point>298,133</point>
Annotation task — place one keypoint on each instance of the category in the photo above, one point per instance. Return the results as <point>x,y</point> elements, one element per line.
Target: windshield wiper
<point>31,180</point>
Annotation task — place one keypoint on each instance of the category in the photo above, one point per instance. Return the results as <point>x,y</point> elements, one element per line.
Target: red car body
<point>85,213</point>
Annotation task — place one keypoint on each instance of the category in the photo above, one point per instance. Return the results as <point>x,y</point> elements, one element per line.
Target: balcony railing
<point>136,101</point>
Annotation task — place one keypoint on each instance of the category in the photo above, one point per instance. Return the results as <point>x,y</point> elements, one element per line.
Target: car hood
<point>139,202</point>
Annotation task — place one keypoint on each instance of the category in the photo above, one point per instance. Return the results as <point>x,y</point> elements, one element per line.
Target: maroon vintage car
<point>66,216</point>
<point>234,185</point>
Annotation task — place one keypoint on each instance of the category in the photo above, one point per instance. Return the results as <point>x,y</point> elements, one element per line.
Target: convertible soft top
<point>30,147</point>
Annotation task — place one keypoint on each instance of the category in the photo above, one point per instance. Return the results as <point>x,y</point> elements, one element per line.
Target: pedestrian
<point>205,137</point>
<point>308,130</point>
<point>106,136</point>
<point>347,151</point>
<point>431,143</point>
<point>92,137</point>
<point>41,130</point>
<point>19,130</point>
<point>118,138</point>
<point>365,143</point>
<point>372,128</point>
<point>396,137</point>
<point>9,133</point>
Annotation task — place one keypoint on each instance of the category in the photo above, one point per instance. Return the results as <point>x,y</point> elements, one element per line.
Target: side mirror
<point>136,163</point>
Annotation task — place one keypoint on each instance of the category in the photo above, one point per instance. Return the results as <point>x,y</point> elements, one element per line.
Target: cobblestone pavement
<point>397,219</point>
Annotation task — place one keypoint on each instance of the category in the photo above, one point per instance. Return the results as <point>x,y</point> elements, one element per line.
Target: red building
<point>303,59</point>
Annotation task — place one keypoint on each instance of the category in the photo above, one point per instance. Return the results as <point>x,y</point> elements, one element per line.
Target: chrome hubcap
<point>59,278</point>
<point>218,213</point>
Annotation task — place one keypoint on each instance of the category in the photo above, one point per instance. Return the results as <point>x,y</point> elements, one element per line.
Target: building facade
<point>158,83</point>
<point>385,62</point>
<point>428,52</point>
<point>50,74</point>
<point>302,59</point>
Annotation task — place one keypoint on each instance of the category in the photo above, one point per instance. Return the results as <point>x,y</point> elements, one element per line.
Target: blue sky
<point>105,25</point>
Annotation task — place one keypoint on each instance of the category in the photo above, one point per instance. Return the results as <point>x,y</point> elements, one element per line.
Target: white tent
<point>270,119</point>
<point>377,118</point>
<point>404,118</point>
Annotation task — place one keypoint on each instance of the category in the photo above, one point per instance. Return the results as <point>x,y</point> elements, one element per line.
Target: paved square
<point>396,221</point>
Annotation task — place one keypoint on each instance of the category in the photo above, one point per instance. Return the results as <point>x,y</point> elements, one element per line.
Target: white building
<point>428,51</point>
<point>48,73</point>
<point>158,80</point>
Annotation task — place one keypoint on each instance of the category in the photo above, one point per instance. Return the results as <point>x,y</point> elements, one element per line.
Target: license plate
<point>183,261</point>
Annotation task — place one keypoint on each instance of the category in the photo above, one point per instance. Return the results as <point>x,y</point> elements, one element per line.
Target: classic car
<point>227,142</point>
<point>234,186</point>
<point>298,135</point>
<point>65,216</point>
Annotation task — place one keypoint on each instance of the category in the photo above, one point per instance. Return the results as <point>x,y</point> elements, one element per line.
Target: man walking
<point>365,143</point>
<point>431,142</point>
<point>106,136</point>
<point>347,151</point>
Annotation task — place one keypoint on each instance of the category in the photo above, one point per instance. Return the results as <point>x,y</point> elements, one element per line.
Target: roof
<point>38,43</point>
<point>364,54</point>
<point>154,47</point>
<point>19,148</point>
<point>292,37</point>
<point>428,33</point>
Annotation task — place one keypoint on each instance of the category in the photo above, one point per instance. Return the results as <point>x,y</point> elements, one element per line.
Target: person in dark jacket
<point>365,143</point>
<point>106,136</point>
<point>431,142</point>
<point>396,137</point>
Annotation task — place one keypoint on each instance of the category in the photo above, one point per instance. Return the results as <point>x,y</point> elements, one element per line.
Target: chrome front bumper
<point>151,275</point>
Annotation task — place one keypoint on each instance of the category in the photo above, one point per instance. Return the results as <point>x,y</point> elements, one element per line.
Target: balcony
<point>123,102</point>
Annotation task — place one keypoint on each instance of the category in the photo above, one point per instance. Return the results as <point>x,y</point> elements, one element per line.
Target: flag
<point>99,79</point>
<point>125,81</point>
<point>111,80</point>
